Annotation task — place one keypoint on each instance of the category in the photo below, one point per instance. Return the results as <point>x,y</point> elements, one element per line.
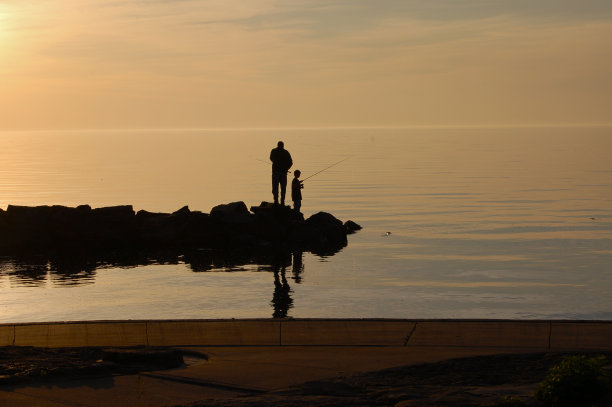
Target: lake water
<point>457,222</point>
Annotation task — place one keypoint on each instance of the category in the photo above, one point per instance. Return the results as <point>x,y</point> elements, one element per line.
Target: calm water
<point>458,223</point>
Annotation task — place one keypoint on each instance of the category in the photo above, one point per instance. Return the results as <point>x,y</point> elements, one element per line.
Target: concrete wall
<point>535,335</point>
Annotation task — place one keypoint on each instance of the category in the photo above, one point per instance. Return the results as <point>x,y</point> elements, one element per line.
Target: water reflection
<point>276,262</point>
<point>281,298</point>
<point>25,272</point>
<point>298,266</point>
<point>72,271</point>
<point>41,271</point>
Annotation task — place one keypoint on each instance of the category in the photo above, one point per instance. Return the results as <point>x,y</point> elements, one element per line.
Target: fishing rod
<point>327,168</point>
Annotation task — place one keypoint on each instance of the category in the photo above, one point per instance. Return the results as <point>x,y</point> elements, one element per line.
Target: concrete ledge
<point>521,334</point>
<point>346,332</point>
<point>7,335</point>
<point>81,334</point>
<point>510,334</point>
<point>578,335</point>
<point>213,333</point>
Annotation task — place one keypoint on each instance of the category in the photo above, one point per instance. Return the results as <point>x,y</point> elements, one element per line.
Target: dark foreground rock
<point>59,229</point>
<point>24,364</point>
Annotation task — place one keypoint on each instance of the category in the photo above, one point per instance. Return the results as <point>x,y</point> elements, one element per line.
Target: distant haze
<point>70,64</point>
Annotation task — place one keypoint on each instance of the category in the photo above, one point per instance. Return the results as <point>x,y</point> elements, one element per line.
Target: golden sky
<point>293,63</point>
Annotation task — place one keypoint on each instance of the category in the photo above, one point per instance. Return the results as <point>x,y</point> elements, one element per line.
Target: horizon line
<point>340,127</point>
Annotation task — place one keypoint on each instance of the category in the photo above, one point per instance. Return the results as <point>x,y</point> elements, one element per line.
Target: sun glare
<point>3,18</point>
<point>4,27</point>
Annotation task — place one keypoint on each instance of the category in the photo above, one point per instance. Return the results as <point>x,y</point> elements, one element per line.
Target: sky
<point>113,64</point>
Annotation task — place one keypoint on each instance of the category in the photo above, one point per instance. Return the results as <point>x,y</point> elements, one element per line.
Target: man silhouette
<point>281,162</point>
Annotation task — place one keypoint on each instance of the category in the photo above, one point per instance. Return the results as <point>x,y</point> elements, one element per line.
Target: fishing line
<point>326,168</point>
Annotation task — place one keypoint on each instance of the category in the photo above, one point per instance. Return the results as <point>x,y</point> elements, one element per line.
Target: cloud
<point>336,17</point>
<point>314,61</point>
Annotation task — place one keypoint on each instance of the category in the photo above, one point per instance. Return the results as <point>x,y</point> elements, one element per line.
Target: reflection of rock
<point>64,230</point>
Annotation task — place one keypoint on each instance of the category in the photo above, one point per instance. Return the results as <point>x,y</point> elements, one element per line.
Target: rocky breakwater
<point>65,230</point>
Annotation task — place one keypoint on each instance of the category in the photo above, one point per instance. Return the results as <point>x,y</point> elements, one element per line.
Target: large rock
<point>155,228</point>
<point>274,223</point>
<point>51,228</point>
<point>322,233</point>
<point>351,227</point>
<point>230,209</point>
<point>112,227</point>
<point>41,227</point>
<point>181,229</point>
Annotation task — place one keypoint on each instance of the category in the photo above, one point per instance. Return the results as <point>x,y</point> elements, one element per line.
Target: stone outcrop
<point>61,229</point>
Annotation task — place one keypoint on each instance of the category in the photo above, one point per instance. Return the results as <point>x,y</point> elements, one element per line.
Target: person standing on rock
<point>296,190</point>
<point>281,162</point>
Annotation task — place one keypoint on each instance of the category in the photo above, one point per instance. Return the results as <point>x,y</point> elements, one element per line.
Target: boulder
<point>115,214</point>
<point>230,209</point>
<point>351,227</point>
<point>274,223</point>
<point>322,233</point>
<point>184,211</point>
<point>180,228</point>
<point>155,228</point>
<point>40,227</point>
<point>112,227</point>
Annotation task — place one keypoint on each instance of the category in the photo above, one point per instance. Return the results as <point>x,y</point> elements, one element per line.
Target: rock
<point>160,358</point>
<point>281,213</point>
<point>230,209</point>
<point>324,219</point>
<point>112,227</point>
<point>322,233</point>
<point>183,211</point>
<point>120,212</point>
<point>113,220</point>
<point>180,228</point>
<point>274,223</point>
<point>40,227</point>
<point>38,366</point>
<point>351,227</point>
<point>156,228</point>
<point>142,214</point>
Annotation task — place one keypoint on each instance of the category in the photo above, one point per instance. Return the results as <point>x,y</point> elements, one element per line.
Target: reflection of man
<point>281,300</point>
<point>281,162</point>
<point>298,267</point>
